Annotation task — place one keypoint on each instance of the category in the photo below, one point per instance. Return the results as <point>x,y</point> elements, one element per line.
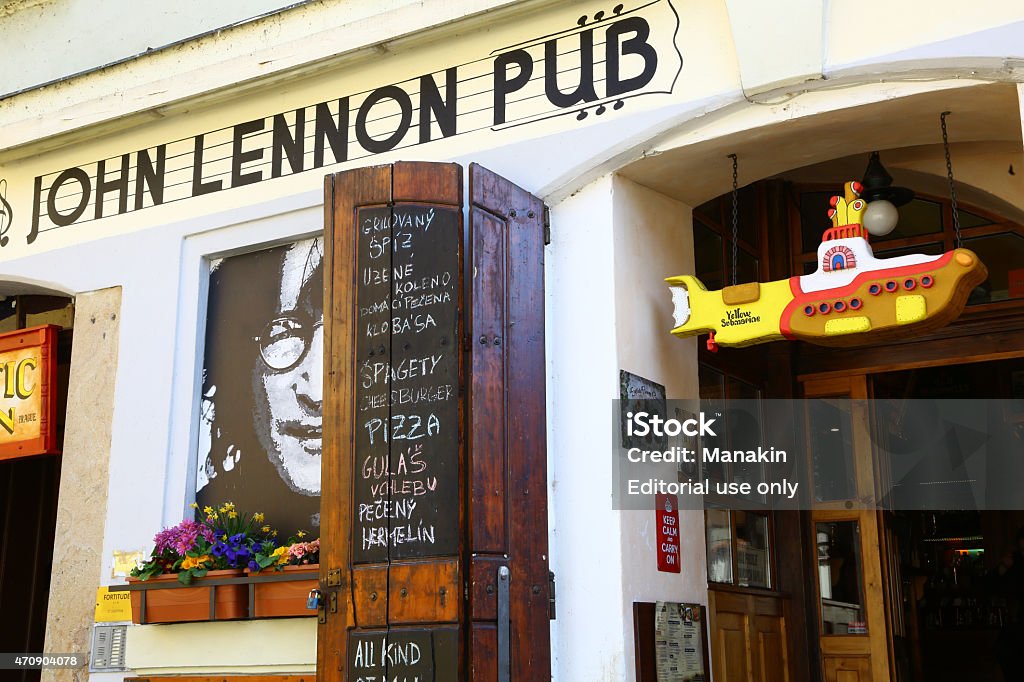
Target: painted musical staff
<point>6,214</point>
<point>588,68</point>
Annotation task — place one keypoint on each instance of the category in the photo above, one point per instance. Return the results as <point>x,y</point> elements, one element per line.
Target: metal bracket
<point>504,622</point>
<point>547,225</point>
<point>334,577</point>
<point>551,595</point>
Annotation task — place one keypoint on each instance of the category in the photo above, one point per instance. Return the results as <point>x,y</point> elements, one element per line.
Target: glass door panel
<point>852,635</point>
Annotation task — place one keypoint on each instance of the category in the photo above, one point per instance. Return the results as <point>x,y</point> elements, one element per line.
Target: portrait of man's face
<point>261,410</point>
<point>289,380</point>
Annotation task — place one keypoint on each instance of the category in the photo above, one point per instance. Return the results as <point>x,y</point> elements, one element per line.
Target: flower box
<point>182,604</point>
<point>282,598</point>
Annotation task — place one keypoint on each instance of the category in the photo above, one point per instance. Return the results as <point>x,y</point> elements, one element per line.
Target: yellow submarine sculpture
<point>851,293</point>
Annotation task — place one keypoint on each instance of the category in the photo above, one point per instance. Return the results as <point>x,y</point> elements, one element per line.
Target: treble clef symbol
<point>6,214</point>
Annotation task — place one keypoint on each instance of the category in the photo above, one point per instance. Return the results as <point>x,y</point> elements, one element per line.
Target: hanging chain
<point>735,216</point>
<point>952,187</point>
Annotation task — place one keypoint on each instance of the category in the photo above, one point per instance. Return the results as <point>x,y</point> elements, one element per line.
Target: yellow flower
<point>223,508</point>
<point>229,505</point>
<point>224,537</point>
<point>265,529</point>
<point>194,562</point>
<point>212,517</point>
<point>282,555</point>
<point>257,517</point>
<point>207,510</point>
<point>232,515</point>
<point>194,505</point>
<point>273,533</point>
<point>300,534</point>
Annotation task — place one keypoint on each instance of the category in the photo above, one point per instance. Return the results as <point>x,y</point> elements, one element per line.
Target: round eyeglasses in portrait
<point>285,340</point>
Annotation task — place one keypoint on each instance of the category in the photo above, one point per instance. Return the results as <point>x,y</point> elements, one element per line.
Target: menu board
<point>678,642</point>
<point>407,405</point>
<point>670,642</point>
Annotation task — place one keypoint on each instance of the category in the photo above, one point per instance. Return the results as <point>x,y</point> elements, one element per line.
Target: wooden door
<point>749,637</point>
<point>430,485</point>
<point>852,628</point>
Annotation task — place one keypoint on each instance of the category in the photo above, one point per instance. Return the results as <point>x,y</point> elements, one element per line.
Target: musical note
<point>600,16</point>
<point>601,108</point>
<point>6,214</point>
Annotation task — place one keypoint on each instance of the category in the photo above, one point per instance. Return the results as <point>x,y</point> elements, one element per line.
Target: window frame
<point>770,559</point>
<point>798,258</point>
<point>732,505</point>
<point>716,215</point>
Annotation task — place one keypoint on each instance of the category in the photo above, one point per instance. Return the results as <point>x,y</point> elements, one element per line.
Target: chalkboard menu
<point>406,654</point>
<point>406,487</point>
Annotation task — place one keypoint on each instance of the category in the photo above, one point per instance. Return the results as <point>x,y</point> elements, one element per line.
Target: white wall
<point>582,382</point>
<point>613,243</point>
<point>860,31</point>
<point>789,45</point>
<point>653,238</point>
<point>49,39</point>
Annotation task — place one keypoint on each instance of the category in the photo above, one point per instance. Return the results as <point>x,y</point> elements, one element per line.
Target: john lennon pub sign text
<point>587,68</point>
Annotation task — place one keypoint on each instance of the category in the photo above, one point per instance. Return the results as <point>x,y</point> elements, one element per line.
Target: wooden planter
<point>286,597</point>
<point>183,604</point>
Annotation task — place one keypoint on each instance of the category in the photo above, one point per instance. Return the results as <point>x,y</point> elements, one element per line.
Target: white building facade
<point>138,147</point>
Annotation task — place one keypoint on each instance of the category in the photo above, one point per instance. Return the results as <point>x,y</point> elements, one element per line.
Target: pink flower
<point>183,537</point>
<point>298,550</point>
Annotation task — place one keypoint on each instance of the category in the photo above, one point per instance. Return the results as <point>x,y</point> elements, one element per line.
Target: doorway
<point>927,592</point>
<point>859,587</point>
<point>961,571</point>
<point>29,489</point>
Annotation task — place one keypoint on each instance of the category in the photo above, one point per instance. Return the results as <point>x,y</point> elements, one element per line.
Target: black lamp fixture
<point>880,216</point>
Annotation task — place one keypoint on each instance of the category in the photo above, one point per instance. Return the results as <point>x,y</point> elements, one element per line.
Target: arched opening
<point>787,172</point>
<point>30,487</point>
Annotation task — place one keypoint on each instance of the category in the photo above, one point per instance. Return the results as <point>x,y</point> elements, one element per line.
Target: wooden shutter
<point>507,434</point>
<point>413,528</point>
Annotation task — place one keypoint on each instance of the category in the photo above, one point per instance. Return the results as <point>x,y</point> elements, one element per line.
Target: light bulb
<point>880,217</point>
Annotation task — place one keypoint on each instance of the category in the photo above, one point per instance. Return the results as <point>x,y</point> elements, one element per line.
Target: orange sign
<point>28,379</point>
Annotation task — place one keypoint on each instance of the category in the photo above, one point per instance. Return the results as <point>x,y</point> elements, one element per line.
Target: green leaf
<point>263,561</point>
<point>149,572</point>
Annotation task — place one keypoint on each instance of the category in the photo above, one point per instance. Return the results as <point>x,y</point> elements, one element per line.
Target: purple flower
<point>182,538</point>
<point>165,539</point>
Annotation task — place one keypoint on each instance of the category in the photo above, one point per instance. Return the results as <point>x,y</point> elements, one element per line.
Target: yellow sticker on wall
<point>112,607</point>
<point>125,561</point>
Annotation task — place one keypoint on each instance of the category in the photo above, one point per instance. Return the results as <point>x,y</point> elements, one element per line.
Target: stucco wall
<point>582,381</point>
<point>282,645</point>
<point>653,238</point>
<point>54,38</point>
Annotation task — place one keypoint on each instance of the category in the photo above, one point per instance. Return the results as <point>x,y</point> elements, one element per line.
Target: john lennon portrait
<point>261,429</point>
